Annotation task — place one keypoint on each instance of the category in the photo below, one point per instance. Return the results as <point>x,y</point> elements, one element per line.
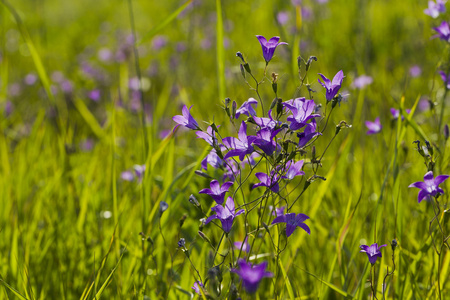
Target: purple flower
<point>446,79</point>
<point>308,134</point>
<point>127,176</point>
<point>251,275</point>
<point>396,113</point>
<point>247,108</point>
<point>268,181</point>
<point>225,214</point>
<point>94,95</point>
<point>30,79</point>
<point>374,127</point>
<point>231,170</point>
<point>209,136</point>
<point>268,47</point>
<point>278,211</point>
<point>239,147</point>
<point>139,171</point>
<point>302,111</point>
<point>373,251</point>
<point>446,132</point>
<point>186,119</point>
<point>415,71</point>
<point>213,159</point>
<point>294,169</point>
<point>264,140</point>
<point>217,192</point>
<point>244,245</point>
<point>283,17</point>
<point>361,81</point>
<point>434,8</point>
<point>197,286</point>
<point>443,31</point>
<point>429,186</point>
<point>293,221</point>
<point>332,87</point>
<point>267,122</point>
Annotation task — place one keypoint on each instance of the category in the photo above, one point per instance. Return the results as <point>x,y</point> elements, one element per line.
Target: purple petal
<point>421,185</point>
<point>428,177</point>
<point>305,228</point>
<point>262,40</point>
<point>422,195</point>
<point>279,219</point>
<point>440,179</point>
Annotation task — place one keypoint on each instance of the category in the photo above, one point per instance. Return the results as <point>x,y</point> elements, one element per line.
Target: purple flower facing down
<point>247,108</point>
<point>435,8</point>
<point>197,286</point>
<point>268,47</point>
<point>225,214</point>
<point>268,181</point>
<point>373,251</point>
<point>239,147</point>
<point>308,134</point>
<point>443,31</point>
<point>293,221</point>
<point>217,192</point>
<point>251,275</point>
<point>209,136</point>
<point>396,113</point>
<point>429,186</point>
<point>302,111</point>
<point>294,169</point>
<point>186,119</point>
<point>374,127</point>
<point>213,160</point>
<point>265,140</point>
<point>446,79</point>
<point>362,81</point>
<point>332,87</point>
<point>244,245</point>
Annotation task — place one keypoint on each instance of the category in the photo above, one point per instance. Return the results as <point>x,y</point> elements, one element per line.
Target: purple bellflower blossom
<point>332,87</point>
<point>225,214</point>
<point>139,171</point>
<point>251,276</point>
<point>127,176</point>
<point>264,140</point>
<point>443,31</point>
<point>362,81</point>
<point>373,251</point>
<point>267,122</point>
<point>429,186</point>
<point>186,119</point>
<point>268,47</point>
<point>294,169</point>
<point>209,136</point>
<point>308,134</point>
<point>247,108</point>
<point>302,111</point>
<point>293,221</point>
<point>212,159</point>
<point>396,113</point>
<point>268,181</point>
<point>197,286</point>
<point>239,147</point>
<point>244,245</point>
<point>374,127</point>
<point>415,71</point>
<point>231,170</point>
<point>446,79</point>
<point>278,211</point>
<point>217,192</point>
<point>435,8</point>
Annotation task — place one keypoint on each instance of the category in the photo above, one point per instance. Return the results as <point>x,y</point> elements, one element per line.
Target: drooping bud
<point>308,63</point>
<point>233,109</point>
<point>239,54</point>
<point>241,67</point>
<point>446,132</point>
<point>227,106</point>
<point>163,206</point>
<point>194,201</point>
<point>429,147</point>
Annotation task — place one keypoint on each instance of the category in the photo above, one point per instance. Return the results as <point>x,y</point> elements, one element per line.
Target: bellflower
<point>294,169</point>
<point>244,245</point>
<point>186,119</point>
<point>268,47</point>
<point>446,79</point>
<point>231,170</point>
<point>293,221</point>
<point>302,111</point>
<point>217,192</point>
<point>264,140</point>
<point>434,8</point>
<point>251,275</point>
<point>209,136</point>
<point>212,159</point>
<point>247,108</point>
<point>267,122</point>
<point>225,214</point>
<point>268,181</point>
<point>361,81</point>
<point>332,87</point>
<point>396,113</point>
<point>308,134</point>
<point>239,147</point>
<point>429,186</point>
<point>373,251</point>
<point>374,127</point>
<point>443,31</point>
<point>278,211</point>
<point>197,286</point>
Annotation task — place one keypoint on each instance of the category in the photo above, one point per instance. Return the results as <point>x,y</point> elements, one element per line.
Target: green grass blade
<point>13,290</point>
<point>287,282</point>
<point>330,285</point>
<point>220,51</point>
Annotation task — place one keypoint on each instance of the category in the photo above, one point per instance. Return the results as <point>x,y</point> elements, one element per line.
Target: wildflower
<point>225,214</point>
<point>446,132</point>
<point>429,186</point>
<point>373,251</point>
<point>332,87</point>
<point>127,176</point>
<point>217,192</point>
<point>269,47</point>
<point>283,17</point>
<point>239,147</point>
<point>197,286</point>
<point>251,275</point>
<point>396,113</point>
<point>434,8</point>
<point>361,81</point>
<point>308,134</point>
<point>139,171</point>
<point>278,211</point>
<point>244,245</point>
<point>294,169</point>
<point>374,127</point>
<point>181,243</point>
<point>267,122</point>
<point>186,119</point>
<point>212,159</point>
<point>293,221</point>
<point>247,108</point>
<point>209,136</point>
<point>415,71</point>
<point>268,181</point>
<point>443,31</point>
<point>302,111</point>
<point>94,95</point>
<point>264,140</point>
<point>446,79</point>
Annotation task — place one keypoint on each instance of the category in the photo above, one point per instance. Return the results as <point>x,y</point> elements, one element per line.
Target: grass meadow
<point>89,158</point>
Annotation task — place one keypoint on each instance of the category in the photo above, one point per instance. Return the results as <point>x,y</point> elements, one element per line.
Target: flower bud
<point>239,54</point>
<point>279,106</point>
<point>181,243</point>
<point>308,63</point>
<point>274,102</point>
<point>247,68</point>
<point>242,70</point>
<point>394,244</point>
<point>446,132</point>
<point>163,206</point>
<point>194,200</point>
<point>233,109</point>
<point>429,147</point>
<point>227,106</point>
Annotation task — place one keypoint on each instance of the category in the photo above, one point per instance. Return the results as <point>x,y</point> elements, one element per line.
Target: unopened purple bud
<point>182,243</point>
<point>446,132</point>
<point>239,54</point>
